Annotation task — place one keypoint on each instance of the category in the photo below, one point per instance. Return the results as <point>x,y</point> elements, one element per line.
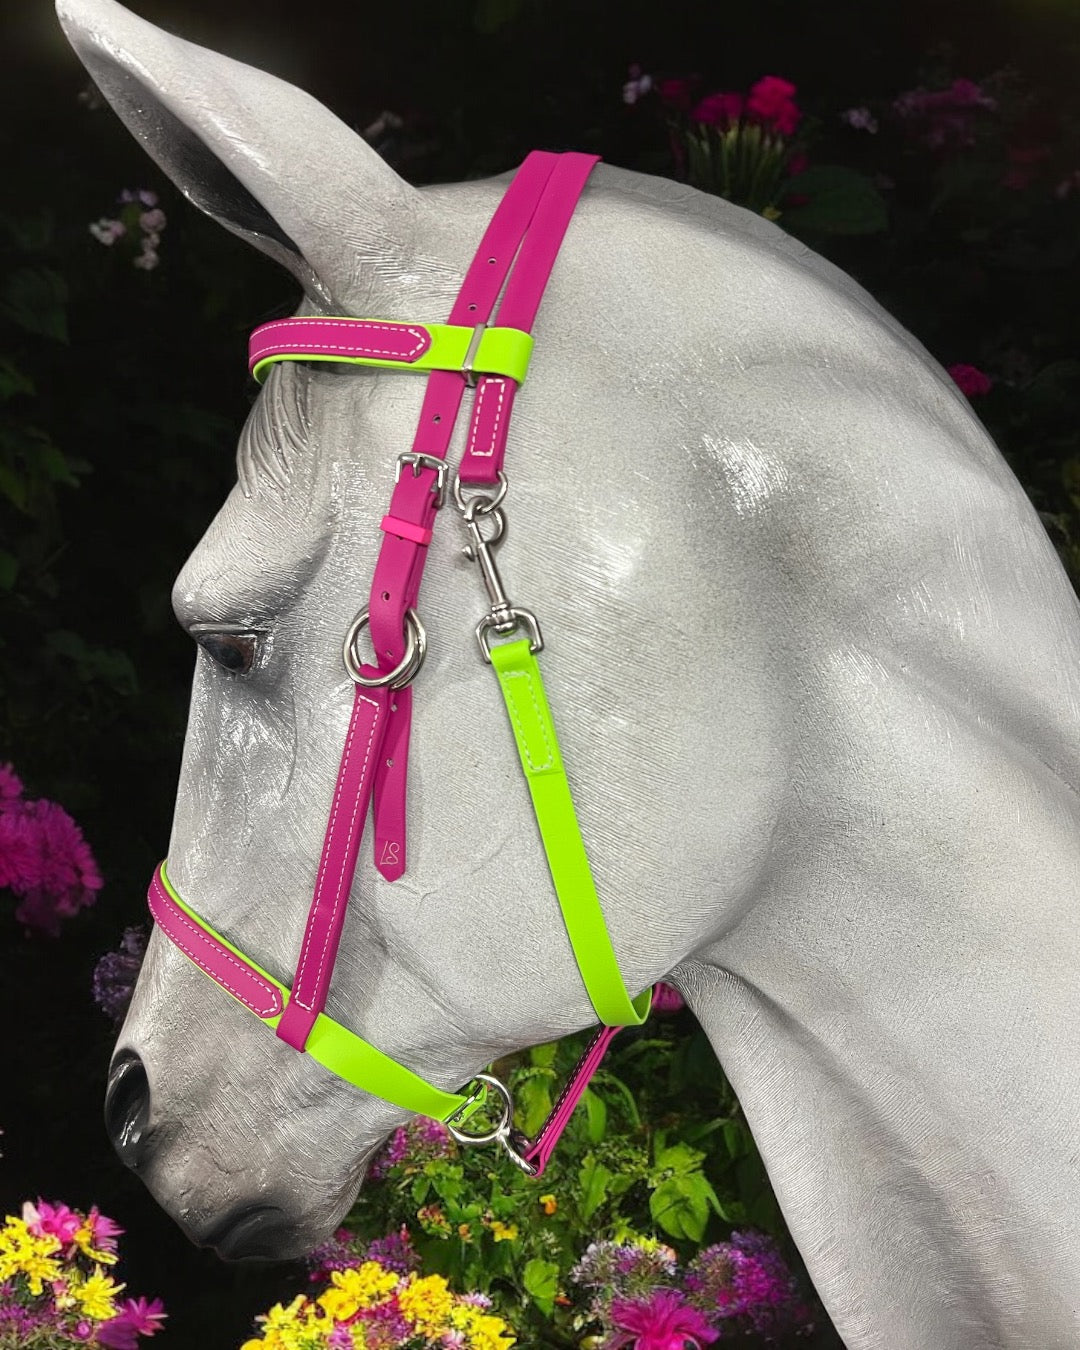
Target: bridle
<point>518,250</point>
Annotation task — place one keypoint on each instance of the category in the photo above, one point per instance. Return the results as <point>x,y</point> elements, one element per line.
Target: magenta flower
<point>44,1220</point>
<point>11,788</point>
<point>677,93</point>
<point>772,102</point>
<point>666,998</point>
<point>145,1314</point>
<point>720,109</point>
<point>971,380</point>
<point>44,859</point>
<point>661,1322</point>
<point>103,1231</point>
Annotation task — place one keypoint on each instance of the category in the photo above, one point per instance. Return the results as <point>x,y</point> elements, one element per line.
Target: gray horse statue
<point>816,671</point>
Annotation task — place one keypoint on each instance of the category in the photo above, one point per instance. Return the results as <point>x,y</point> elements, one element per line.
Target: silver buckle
<point>420,462</point>
<point>470,356</point>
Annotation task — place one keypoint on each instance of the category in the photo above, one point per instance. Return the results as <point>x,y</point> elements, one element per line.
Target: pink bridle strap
<point>524,235</point>
<point>537,1151</point>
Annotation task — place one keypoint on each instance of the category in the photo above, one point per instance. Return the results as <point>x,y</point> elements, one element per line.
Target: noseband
<point>519,250</point>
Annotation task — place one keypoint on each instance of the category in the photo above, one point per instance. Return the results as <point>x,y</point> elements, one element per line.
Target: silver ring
<point>506,1115</point>
<point>407,668</point>
<point>487,503</point>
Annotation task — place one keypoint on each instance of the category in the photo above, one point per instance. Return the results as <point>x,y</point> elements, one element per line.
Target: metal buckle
<point>407,668</point>
<point>420,462</point>
<point>470,355</point>
<point>502,1132</point>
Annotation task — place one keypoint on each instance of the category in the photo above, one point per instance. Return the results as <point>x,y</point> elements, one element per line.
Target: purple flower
<point>860,119</point>
<point>116,972</point>
<point>107,231</point>
<point>394,1252</point>
<point>152,222</point>
<point>415,1143</point>
<point>11,788</point>
<point>662,1322</point>
<point>748,1278</point>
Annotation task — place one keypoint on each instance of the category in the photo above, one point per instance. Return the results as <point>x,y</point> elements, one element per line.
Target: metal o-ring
<point>505,1115</point>
<point>406,669</point>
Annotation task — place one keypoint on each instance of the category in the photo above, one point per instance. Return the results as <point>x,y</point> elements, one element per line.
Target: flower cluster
<point>377,1300</point>
<point>944,119</point>
<point>44,858</point>
<point>412,1145</point>
<point>642,1299</point>
<point>54,1289</point>
<point>141,221</point>
<point>116,972</point>
<point>770,103</point>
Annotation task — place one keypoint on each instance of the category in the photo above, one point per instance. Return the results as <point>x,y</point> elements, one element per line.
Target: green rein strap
<point>538,747</point>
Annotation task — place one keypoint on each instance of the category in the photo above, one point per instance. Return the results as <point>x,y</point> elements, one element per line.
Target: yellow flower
<point>482,1331</point>
<point>548,1204</point>
<point>464,1232</point>
<point>96,1294</point>
<point>503,1232</point>
<point>355,1288</point>
<point>427,1303</point>
<point>39,1268</point>
<point>771,213</point>
<point>82,1239</point>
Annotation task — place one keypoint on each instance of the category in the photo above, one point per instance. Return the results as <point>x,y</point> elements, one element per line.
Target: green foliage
<point>626,1167</point>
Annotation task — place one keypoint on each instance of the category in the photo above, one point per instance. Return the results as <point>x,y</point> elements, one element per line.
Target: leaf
<point>595,1116</point>
<point>491,15</point>
<point>593,1181</point>
<point>13,381</point>
<point>533,1103</point>
<point>541,1280</point>
<point>680,1206</point>
<point>9,569</point>
<point>35,298</point>
<point>679,1158</point>
<point>543,1056</point>
<point>841,202</point>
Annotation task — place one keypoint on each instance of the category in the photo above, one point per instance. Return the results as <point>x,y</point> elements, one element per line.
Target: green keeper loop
<point>538,748</point>
<point>347,1055</point>
<point>500,351</point>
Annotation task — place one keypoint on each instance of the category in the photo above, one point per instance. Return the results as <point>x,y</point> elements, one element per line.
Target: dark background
<point>479,82</point>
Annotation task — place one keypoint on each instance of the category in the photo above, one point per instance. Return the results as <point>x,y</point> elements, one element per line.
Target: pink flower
<point>44,1220</point>
<point>720,109</point>
<point>971,380</point>
<point>661,1322</point>
<point>666,998</point>
<point>103,1232</point>
<point>46,861</point>
<point>772,101</point>
<point>145,1314</point>
<point>677,93</point>
<point>11,788</point>
<point>153,222</point>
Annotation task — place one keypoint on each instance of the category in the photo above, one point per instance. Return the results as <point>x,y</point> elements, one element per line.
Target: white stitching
<point>422,338</point>
<point>478,413</point>
<point>179,916</point>
<point>527,675</point>
<point>300,969</point>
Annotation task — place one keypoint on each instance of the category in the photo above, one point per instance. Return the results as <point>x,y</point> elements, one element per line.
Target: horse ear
<point>263,158</point>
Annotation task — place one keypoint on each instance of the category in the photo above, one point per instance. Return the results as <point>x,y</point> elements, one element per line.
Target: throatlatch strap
<point>538,749</point>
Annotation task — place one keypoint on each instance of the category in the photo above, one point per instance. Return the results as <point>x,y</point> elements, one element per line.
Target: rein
<point>518,250</point>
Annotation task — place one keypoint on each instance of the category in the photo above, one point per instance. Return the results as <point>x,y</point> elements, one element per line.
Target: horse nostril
<point>127,1106</point>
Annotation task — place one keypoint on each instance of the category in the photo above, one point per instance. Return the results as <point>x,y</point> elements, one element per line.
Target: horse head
<point>814,667</point>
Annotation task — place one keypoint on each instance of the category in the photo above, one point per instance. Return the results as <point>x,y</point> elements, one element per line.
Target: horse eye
<point>234,652</point>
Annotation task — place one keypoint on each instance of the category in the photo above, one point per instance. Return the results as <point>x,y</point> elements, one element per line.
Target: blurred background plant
<point>945,177</point>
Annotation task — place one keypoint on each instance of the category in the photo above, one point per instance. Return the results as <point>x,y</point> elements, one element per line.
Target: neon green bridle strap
<point>538,747</point>
<point>343,1052</point>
